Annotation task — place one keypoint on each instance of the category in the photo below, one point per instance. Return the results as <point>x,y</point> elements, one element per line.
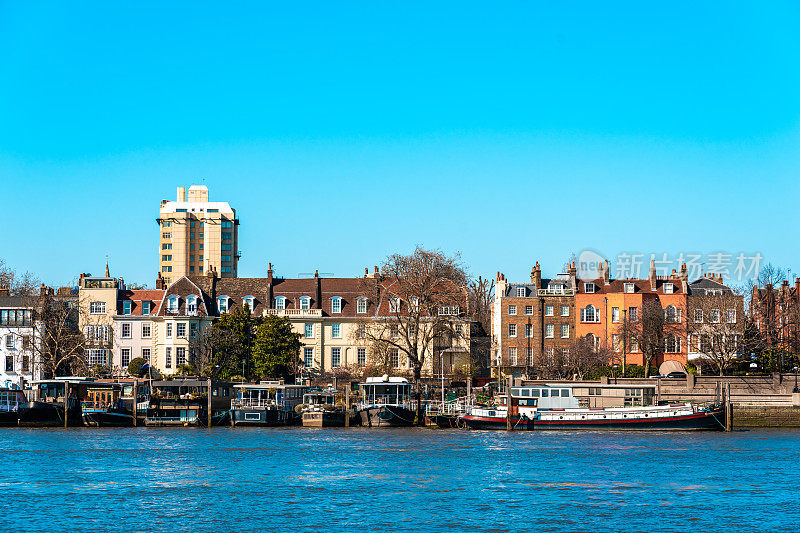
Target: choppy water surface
<point>240,479</point>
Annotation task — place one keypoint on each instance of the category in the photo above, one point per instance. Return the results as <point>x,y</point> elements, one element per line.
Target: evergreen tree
<point>276,350</point>
<point>228,345</point>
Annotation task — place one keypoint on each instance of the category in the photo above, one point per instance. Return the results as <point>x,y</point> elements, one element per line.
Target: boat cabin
<point>602,394</point>
<point>52,390</point>
<point>320,397</point>
<point>386,390</point>
<point>10,400</point>
<point>543,397</point>
<point>267,394</point>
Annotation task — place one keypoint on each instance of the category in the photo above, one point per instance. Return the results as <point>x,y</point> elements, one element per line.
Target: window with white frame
<point>127,307</point>
<point>336,304</point>
<point>715,316</point>
<point>669,288</point>
<point>589,314</point>
<point>172,304</point>
<point>305,302</point>
<point>308,356</point>
<point>394,358</point>
<point>414,303</point>
<point>146,332</point>
<point>191,305</point>
<point>168,357</point>
<point>180,355</point>
<point>512,330</point>
<point>549,331</point>
<point>731,316</point>
<point>698,316</point>
<point>126,357</point>
<point>280,302</point>
<point>96,356</point>
<point>512,309</point>
<point>628,287</point>
<point>249,302</point>
<point>615,314</point>
<point>548,310</point>
<point>394,305</point>
<point>512,356</point>
<point>10,342</point>
<point>672,314</point>
<point>146,354</point>
<point>336,331</point>
<point>528,330</point>
<point>361,306</point>
<point>126,330</point>
<point>336,357</point>
<point>564,331</point>
<point>361,356</point>
<point>589,288</point>
<point>97,308</point>
<point>520,292</point>
<point>222,304</point>
<point>181,330</point>
<point>564,310</point>
<point>672,344</point>
<point>633,314</point>
<point>193,330</point>
<point>146,306</point>
<point>529,356</point>
<point>169,330</point>
<point>528,309</point>
<point>309,331</point>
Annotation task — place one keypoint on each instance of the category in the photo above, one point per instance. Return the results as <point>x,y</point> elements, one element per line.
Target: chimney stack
<point>4,292</point>
<point>536,275</point>
<point>652,276</point>
<point>269,294</point>
<point>181,194</point>
<point>318,283</point>
<point>606,273</point>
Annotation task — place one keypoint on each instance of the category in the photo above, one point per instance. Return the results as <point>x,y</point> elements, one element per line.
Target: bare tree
<point>25,284</point>
<point>585,356</point>
<point>57,344</point>
<point>481,296</point>
<point>418,297</point>
<point>652,332</point>
<point>715,324</point>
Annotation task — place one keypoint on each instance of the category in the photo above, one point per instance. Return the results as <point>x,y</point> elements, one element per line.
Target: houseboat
<point>320,410</point>
<point>102,406</point>
<point>268,403</point>
<point>10,400</point>
<point>185,402</point>
<point>47,407</point>
<point>555,407</point>
<point>386,402</point>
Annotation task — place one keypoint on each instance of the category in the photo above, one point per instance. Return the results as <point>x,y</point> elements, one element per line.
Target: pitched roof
<point>139,296</point>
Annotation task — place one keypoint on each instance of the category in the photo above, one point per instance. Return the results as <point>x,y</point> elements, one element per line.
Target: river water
<point>237,479</point>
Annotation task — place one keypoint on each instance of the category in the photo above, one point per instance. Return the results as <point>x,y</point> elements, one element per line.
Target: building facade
<point>17,335</point>
<point>135,327</point>
<point>715,320</point>
<point>775,312</point>
<point>196,235</point>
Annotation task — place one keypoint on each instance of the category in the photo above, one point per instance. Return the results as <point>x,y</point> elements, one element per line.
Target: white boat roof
<point>266,385</point>
<point>385,379</point>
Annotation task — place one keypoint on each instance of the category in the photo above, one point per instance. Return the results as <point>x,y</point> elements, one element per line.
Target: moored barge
<point>550,408</point>
<point>268,403</point>
<point>386,402</point>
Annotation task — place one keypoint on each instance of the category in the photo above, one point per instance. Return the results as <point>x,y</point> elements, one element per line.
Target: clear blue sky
<point>345,131</point>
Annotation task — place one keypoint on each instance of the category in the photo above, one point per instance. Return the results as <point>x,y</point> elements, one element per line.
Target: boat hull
<point>9,418</point>
<point>46,414</point>
<point>447,421</point>
<point>387,416</point>
<point>106,419</point>
<point>328,419</point>
<point>703,420</point>
<point>264,417</point>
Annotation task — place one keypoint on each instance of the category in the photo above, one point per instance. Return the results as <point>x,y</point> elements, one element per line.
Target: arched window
<point>223,304</point>
<point>336,304</point>
<point>361,306</point>
<point>280,302</point>
<point>249,302</point>
<point>394,305</point>
<point>672,344</point>
<point>592,340</point>
<point>672,314</point>
<point>589,314</point>
<point>305,302</point>
<point>172,303</point>
<point>191,305</point>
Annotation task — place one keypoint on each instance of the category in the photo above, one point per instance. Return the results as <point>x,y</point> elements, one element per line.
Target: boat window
<point>514,392</point>
<point>535,393</point>
<point>565,393</point>
<point>526,392</point>
<point>545,393</point>
<point>555,393</point>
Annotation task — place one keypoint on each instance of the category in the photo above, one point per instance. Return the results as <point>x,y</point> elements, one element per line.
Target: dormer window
<point>191,305</point>
<point>223,304</point>
<point>628,287</point>
<point>305,302</point>
<point>172,304</point>
<point>127,307</point>
<point>394,305</point>
<point>336,304</point>
<point>361,306</point>
<point>520,292</point>
<point>589,288</point>
<point>146,307</point>
<point>669,288</point>
<point>249,302</point>
<point>280,302</point>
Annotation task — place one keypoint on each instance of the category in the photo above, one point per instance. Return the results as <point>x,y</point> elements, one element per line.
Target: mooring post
<point>347,405</point>
<point>209,403</point>
<point>728,408</point>
<point>66,403</point>
<point>135,401</point>
<point>508,402</point>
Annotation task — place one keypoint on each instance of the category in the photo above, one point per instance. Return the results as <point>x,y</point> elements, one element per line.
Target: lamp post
<point>441,357</point>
